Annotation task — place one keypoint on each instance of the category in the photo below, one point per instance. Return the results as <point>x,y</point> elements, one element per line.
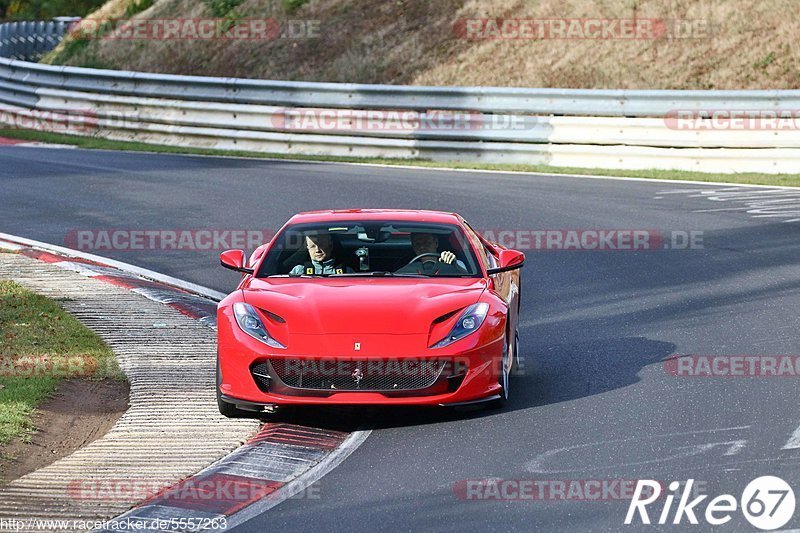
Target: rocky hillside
<point>681,44</point>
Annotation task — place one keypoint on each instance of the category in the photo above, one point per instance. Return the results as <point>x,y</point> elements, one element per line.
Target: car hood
<point>320,306</point>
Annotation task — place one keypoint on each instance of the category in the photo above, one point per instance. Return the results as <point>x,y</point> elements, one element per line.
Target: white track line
<point>794,441</point>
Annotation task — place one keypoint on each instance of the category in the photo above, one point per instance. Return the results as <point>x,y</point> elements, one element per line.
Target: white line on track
<point>794,441</point>
<point>733,447</point>
<point>765,203</point>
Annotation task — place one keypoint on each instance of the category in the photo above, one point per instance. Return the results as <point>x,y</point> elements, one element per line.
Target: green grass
<point>41,344</point>
<point>97,143</point>
<point>762,64</point>
<point>222,8</point>
<point>46,9</point>
<point>72,47</point>
<point>291,6</point>
<point>137,6</point>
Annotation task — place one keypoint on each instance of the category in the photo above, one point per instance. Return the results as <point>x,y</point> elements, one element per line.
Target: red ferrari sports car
<point>369,306</point>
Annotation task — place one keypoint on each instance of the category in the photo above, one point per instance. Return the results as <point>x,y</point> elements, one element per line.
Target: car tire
<point>504,378</point>
<point>515,358</point>
<point>228,409</point>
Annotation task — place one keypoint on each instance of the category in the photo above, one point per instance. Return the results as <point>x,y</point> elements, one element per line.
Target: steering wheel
<point>427,254</point>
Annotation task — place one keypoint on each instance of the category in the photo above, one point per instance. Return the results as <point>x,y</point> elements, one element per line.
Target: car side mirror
<point>234,260</point>
<point>509,260</point>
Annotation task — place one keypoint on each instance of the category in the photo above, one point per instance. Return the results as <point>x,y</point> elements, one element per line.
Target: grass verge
<point>40,344</point>
<point>97,143</point>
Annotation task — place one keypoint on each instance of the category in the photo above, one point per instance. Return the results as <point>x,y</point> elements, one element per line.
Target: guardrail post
<point>27,37</point>
<point>3,45</point>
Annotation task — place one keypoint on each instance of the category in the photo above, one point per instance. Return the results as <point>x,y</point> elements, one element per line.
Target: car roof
<point>410,215</point>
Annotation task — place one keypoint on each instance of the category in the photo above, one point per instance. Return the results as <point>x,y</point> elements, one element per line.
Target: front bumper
<point>472,376</point>
<point>258,407</point>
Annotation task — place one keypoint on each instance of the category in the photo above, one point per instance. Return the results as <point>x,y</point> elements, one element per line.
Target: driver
<point>428,243</point>
<point>320,251</point>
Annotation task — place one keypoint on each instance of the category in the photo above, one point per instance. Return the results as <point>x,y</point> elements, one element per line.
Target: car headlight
<point>469,322</point>
<point>250,322</point>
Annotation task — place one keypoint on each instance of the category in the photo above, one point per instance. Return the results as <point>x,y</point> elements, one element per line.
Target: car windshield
<point>370,248</point>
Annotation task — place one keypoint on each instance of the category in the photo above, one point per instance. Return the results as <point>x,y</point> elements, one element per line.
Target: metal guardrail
<point>573,102</point>
<point>118,112</point>
<point>564,127</point>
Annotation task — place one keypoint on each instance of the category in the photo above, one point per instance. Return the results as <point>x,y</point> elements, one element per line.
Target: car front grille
<point>351,375</point>
<point>261,375</point>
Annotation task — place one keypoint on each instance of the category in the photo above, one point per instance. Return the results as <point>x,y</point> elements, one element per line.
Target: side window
<point>483,254</point>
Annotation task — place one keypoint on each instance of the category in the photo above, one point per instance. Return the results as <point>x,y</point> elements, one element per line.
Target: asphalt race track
<point>594,401</point>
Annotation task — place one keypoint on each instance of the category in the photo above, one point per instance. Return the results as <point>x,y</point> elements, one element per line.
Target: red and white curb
<point>279,462</point>
<point>13,242</point>
<point>188,303</point>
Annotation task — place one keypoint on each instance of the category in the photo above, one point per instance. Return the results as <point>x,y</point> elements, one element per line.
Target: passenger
<point>320,253</point>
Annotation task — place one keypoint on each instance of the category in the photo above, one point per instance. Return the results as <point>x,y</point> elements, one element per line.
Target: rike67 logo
<point>767,502</point>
